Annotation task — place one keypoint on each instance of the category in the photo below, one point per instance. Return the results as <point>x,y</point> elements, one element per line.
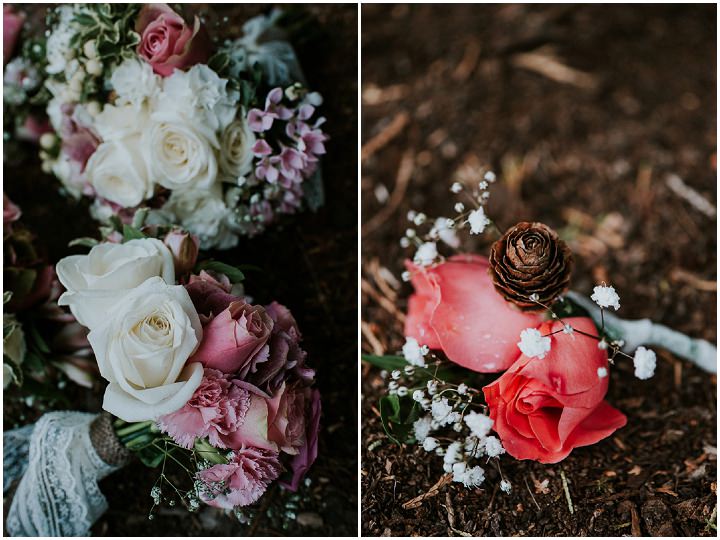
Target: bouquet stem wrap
<point>58,495</point>
<point>645,332</point>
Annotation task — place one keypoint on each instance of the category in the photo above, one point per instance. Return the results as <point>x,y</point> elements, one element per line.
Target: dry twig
<point>417,501</point>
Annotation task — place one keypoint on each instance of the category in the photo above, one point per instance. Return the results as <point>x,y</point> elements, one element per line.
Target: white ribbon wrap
<point>645,332</point>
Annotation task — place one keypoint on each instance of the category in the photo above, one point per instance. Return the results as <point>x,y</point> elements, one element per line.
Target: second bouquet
<point>149,111</point>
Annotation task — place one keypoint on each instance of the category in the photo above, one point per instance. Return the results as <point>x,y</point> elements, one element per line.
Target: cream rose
<point>94,280</point>
<point>142,348</point>
<point>179,157</point>
<point>117,172</point>
<point>236,149</point>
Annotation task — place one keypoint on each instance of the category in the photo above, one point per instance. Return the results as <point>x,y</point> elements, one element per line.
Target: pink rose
<point>229,412</point>
<point>286,418</point>
<point>455,308</point>
<point>167,43</point>
<point>12,24</point>
<point>236,339</point>
<point>307,454</point>
<point>242,481</point>
<point>543,408</point>
<point>184,247</point>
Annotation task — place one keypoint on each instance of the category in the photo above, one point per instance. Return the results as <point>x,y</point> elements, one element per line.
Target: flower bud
<point>184,247</point>
<point>89,49</point>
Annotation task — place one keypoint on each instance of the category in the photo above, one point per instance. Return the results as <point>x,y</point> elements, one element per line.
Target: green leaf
<point>85,241</point>
<point>388,362</point>
<point>234,274</point>
<point>7,295</point>
<point>398,415</point>
<point>131,233</point>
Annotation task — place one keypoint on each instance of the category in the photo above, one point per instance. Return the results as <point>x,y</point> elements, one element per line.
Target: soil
<point>309,264</point>
<point>589,151</point>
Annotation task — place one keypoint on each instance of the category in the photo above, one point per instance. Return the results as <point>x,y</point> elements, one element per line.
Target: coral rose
<point>455,308</point>
<point>543,408</point>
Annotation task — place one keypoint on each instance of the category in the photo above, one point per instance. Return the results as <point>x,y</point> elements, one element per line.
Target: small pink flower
<point>261,148</point>
<point>167,43</point>
<point>242,481</point>
<point>260,121</point>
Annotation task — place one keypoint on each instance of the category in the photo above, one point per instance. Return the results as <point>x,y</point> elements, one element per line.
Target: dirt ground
<point>589,114</point>
<point>310,265</point>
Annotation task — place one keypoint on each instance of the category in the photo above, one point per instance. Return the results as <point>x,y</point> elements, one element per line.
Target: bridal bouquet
<point>149,111</point>
<point>508,313</point>
<point>198,375</point>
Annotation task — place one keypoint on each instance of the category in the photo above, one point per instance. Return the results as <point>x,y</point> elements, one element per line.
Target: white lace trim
<point>58,494</point>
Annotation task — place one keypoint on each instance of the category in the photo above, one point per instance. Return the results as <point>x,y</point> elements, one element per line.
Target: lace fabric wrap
<point>58,494</point>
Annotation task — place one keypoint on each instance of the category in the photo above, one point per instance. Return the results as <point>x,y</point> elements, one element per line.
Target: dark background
<point>310,265</point>
<point>588,151</point>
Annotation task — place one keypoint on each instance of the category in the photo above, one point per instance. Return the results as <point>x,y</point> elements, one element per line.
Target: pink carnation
<point>244,479</point>
<point>229,412</point>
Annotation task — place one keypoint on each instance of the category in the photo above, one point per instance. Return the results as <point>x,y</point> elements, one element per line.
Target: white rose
<point>93,280</point>
<point>142,349</point>
<point>118,122</point>
<point>134,82</point>
<point>204,214</point>
<point>236,149</point>
<point>179,157</point>
<point>118,173</point>
<point>199,96</point>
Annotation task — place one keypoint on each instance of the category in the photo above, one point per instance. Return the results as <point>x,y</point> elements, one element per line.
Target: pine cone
<point>530,259</point>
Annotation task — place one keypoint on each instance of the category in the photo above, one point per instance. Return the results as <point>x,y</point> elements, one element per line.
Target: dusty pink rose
<point>184,247</point>
<point>286,418</point>
<point>210,293</point>
<point>12,24</point>
<point>235,340</point>
<point>307,453</point>
<point>286,359</point>
<point>167,42</point>
<point>244,479</point>
<point>455,308</point>
<point>229,412</point>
